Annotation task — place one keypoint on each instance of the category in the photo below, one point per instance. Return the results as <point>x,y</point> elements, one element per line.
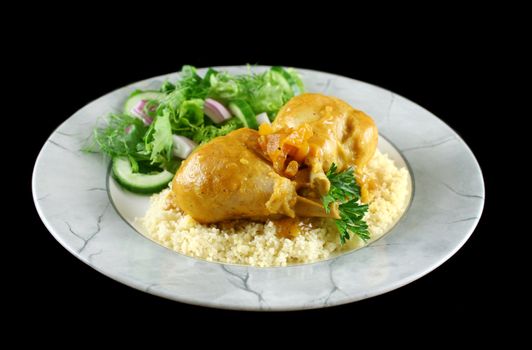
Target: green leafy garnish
<point>208,132</point>
<point>119,136</point>
<point>343,186</point>
<point>143,133</point>
<point>190,114</point>
<point>161,143</point>
<point>346,192</point>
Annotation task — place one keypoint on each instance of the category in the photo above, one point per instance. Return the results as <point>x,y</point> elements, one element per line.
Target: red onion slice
<point>216,111</point>
<point>263,119</point>
<point>183,146</point>
<point>138,111</point>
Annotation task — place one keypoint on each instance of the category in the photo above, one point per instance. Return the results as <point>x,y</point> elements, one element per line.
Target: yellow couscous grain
<point>257,244</point>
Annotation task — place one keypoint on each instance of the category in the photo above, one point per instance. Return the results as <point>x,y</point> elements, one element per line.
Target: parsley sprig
<point>346,191</point>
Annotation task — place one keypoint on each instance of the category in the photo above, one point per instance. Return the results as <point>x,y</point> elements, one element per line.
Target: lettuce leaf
<point>208,132</point>
<point>192,112</point>
<point>161,142</point>
<point>224,87</point>
<point>181,112</point>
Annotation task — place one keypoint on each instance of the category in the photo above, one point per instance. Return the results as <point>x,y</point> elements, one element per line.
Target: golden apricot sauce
<point>287,228</point>
<point>315,131</point>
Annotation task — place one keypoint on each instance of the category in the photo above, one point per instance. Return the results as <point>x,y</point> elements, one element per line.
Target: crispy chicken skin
<point>229,178</point>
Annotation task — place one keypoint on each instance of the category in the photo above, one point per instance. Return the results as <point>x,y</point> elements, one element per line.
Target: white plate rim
<point>466,231</point>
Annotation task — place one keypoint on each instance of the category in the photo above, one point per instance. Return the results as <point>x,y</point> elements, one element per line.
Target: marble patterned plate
<point>71,193</point>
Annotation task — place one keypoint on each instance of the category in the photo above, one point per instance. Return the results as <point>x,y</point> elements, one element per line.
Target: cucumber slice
<point>296,85</point>
<point>132,101</point>
<point>136,182</point>
<point>242,110</point>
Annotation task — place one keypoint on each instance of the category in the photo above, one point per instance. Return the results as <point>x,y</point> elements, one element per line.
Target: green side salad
<point>159,128</point>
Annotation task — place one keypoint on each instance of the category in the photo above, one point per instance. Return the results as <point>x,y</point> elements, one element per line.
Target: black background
<point>442,72</point>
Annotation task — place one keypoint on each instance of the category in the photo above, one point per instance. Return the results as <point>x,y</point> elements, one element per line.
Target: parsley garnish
<point>345,190</point>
